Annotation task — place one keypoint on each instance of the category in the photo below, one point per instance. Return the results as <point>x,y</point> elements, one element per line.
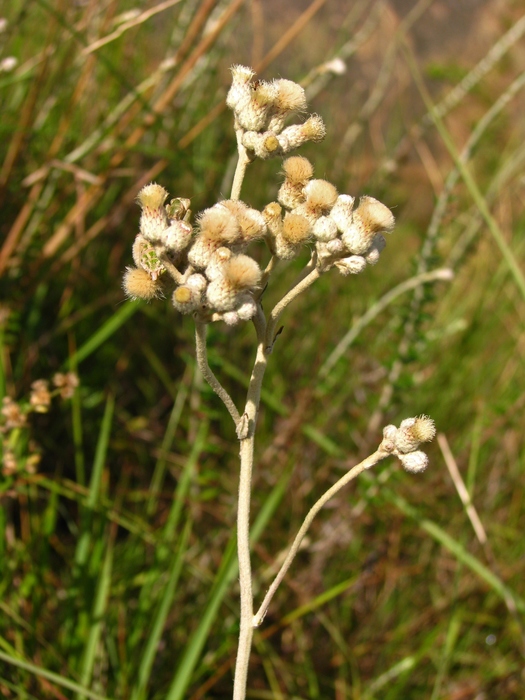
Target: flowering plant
<point>209,273</point>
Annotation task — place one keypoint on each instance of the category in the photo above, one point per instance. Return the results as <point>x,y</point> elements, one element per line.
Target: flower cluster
<point>261,109</point>
<point>18,451</point>
<point>207,264</point>
<point>405,441</point>
<point>344,237</point>
<point>212,274</point>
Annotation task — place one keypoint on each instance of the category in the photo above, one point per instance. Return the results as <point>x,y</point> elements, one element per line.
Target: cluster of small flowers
<point>218,280</point>
<point>213,276</point>
<point>405,440</point>
<point>345,237</point>
<point>13,418</point>
<point>261,109</point>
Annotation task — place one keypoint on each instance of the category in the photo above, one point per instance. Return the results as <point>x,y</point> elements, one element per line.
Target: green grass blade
<point>83,545</point>
<point>50,676</point>
<point>159,622</point>
<point>105,331</point>
<point>97,619</point>
<point>479,199</point>
<point>437,533</point>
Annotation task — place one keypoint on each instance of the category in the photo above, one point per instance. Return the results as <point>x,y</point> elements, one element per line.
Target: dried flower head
<point>320,196</point>
<point>152,196</point>
<point>412,432</point>
<point>140,284</point>
<point>242,272</point>
<point>298,169</point>
<point>296,228</point>
<point>66,383</point>
<point>40,397</point>
<point>13,415</point>
<point>219,224</point>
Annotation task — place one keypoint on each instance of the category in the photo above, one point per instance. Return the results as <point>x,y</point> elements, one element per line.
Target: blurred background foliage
<point>118,573</point>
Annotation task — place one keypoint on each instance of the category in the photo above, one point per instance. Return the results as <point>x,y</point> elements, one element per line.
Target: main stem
<point>243,513</point>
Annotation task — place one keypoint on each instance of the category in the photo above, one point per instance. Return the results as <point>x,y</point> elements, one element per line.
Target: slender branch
<point>303,284</point>
<point>202,361</point>
<point>174,273</point>
<point>240,170</point>
<point>355,471</point>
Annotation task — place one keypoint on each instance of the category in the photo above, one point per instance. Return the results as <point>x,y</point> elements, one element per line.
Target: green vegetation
<point>118,567</point>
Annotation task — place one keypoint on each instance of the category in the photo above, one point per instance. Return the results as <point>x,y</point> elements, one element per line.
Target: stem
<point>175,274</point>
<point>243,513</point>
<point>355,471</point>
<point>202,361</point>
<point>240,170</point>
<point>303,284</point>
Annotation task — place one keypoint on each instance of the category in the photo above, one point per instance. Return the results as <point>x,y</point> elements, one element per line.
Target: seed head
<point>219,224</point>
<point>374,215</point>
<point>290,97</point>
<point>152,196</point>
<point>296,229</point>
<point>242,272</point>
<point>298,169</point>
<point>139,284</point>
<point>320,195</point>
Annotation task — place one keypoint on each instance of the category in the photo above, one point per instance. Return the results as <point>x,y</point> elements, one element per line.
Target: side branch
<point>355,471</point>
<point>202,361</point>
<point>273,319</point>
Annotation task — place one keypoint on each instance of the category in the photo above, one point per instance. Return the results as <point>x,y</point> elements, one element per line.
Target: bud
<point>414,462</point>
<point>177,237</point>
<point>264,145</point>
<point>289,97</point>
<point>145,256</point>
<point>240,92</point>
<point>373,253</point>
<point>412,432</point>
<point>187,298</point>
<point>325,229</point>
<point>296,230</point>
<point>341,212</point>
<point>12,413</point>
<point>370,217</point>
<point>296,135</point>
<point>352,265</point>
<point>250,221</point>
<point>298,169</point>
<point>253,114</point>
<point>154,218</point>
<point>272,216</point>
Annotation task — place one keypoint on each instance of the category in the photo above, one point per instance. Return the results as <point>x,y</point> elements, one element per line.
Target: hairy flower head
<point>242,272</point>
<point>298,169</point>
<point>152,196</point>
<point>139,284</point>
